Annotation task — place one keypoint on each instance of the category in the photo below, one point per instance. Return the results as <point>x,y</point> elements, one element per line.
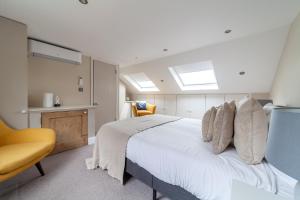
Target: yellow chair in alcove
<point>21,149</point>
<point>150,110</point>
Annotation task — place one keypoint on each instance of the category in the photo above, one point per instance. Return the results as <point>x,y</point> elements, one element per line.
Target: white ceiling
<point>119,31</point>
<point>258,55</point>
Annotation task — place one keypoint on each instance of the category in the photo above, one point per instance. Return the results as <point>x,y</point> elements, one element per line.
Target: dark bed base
<point>171,191</point>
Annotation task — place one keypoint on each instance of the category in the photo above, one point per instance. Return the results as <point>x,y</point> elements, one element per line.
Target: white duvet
<point>176,154</point>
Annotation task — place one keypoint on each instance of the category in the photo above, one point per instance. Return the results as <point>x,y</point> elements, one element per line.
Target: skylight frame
<point>138,85</point>
<point>203,66</point>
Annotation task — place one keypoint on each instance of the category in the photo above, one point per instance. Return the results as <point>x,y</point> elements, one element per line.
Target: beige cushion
<point>207,124</point>
<point>223,127</point>
<point>232,105</point>
<point>250,131</point>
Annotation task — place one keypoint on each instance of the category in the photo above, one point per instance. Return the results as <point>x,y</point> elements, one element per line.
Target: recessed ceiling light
<point>165,49</point>
<point>84,1</point>
<point>242,73</point>
<point>227,31</point>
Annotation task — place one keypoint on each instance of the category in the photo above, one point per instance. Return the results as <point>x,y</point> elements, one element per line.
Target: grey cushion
<point>250,131</point>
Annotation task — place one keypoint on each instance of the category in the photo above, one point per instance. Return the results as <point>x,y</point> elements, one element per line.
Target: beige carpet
<point>68,179</point>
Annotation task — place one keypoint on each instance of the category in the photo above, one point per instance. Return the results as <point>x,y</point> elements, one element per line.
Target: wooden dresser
<point>71,128</point>
<point>73,125</point>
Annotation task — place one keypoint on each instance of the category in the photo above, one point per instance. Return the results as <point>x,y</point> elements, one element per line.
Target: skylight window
<point>146,84</point>
<point>141,82</point>
<point>196,76</point>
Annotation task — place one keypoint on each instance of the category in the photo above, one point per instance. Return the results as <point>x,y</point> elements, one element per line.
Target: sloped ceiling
<point>258,55</point>
<point>125,32</point>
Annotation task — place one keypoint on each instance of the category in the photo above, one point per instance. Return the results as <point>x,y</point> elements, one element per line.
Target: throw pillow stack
<point>245,124</point>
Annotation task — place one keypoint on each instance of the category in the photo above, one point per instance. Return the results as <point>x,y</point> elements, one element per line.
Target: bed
<point>168,154</point>
<point>173,160</point>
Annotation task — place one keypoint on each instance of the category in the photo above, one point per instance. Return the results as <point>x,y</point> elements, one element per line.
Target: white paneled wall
<point>165,104</point>
<point>170,106</point>
<point>213,100</point>
<point>190,106</point>
<point>148,98</point>
<point>159,101</point>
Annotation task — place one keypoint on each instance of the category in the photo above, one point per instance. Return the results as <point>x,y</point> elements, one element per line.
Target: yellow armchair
<point>150,110</point>
<point>21,149</point>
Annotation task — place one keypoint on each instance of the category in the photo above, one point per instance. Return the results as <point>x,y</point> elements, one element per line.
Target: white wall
<point>122,97</point>
<point>61,78</point>
<point>286,85</point>
<point>13,73</point>
<point>190,106</point>
<point>257,55</point>
<point>124,108</point>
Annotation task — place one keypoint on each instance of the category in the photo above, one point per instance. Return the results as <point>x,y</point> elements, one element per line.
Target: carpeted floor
<point>68,179</point>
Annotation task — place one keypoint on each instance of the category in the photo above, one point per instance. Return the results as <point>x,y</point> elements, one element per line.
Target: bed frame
<point>172,191</point>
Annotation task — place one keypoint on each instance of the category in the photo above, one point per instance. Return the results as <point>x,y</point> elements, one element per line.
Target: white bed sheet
<point>176,154</point>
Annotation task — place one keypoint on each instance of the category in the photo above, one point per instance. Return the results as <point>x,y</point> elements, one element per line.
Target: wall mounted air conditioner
<point>46,50</point>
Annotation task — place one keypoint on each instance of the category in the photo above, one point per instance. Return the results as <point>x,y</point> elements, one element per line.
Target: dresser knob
<point>84,112</point>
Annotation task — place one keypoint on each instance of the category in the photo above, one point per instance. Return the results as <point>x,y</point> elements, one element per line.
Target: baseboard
<point>91,140</point>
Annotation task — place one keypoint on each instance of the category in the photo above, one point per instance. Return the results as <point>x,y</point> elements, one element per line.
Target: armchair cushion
<point>15,156</point>
<point>143,112</point>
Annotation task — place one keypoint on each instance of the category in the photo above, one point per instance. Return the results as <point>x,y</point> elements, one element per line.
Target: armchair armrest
<point>4,131</point>
<point>134,110</point>
<point>151,108</point>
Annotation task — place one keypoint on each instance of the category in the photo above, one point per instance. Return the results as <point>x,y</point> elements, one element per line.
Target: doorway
<point>105,93</point>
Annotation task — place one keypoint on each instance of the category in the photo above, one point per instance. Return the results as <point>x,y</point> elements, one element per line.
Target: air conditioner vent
<point>46,50</point>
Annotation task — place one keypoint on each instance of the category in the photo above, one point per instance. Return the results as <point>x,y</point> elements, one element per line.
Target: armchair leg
<point>153,194</point>
<point>39,167</point>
